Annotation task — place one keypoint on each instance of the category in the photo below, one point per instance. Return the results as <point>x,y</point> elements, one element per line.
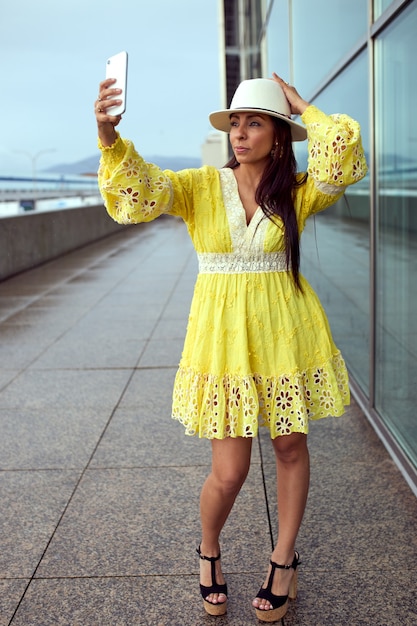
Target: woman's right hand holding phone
<point>106,123</point>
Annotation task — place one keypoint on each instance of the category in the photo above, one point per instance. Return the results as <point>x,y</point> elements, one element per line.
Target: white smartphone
<point>116,67</point>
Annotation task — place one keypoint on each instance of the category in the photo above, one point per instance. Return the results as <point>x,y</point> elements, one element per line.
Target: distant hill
<point>90,164</point>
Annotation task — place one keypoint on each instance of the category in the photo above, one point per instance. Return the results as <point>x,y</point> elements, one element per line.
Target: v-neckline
<point>244,236</point>
<point>258,208</point>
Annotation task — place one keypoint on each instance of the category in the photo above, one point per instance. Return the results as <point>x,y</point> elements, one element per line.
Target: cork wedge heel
<point>279,604</point>
<point>218,608</point>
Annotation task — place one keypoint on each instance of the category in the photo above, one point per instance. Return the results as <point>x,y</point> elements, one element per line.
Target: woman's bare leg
<point>293,478</point>
<point>230,466</point>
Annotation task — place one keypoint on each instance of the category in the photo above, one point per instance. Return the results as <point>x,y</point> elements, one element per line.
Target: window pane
<point>324,31</point>
<point>380,6</point>
<point>278,41</point>
<point>335,248</point>
<point>396,146</point>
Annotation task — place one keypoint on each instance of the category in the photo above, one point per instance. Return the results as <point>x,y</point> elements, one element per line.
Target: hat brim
<point>220,120</point>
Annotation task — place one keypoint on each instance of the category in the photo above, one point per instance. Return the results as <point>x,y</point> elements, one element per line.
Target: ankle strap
<point>295,562</point>
<point>212,559</point>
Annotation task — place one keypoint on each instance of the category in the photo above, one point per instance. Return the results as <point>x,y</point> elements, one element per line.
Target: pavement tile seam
<point>304,571</point>
<point>150,467</point>
<point>33,534</point>
<point>147,466</point>
<point>39,470</point>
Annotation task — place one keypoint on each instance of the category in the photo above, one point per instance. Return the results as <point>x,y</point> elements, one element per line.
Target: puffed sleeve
<point>133,191</point>
<point>335,158</point>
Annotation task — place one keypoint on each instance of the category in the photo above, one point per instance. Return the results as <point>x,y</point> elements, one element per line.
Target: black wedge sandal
<point>219,608</point>
<point>279,604</point>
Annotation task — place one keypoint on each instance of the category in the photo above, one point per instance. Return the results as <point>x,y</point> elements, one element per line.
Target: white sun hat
<point>259,95</point>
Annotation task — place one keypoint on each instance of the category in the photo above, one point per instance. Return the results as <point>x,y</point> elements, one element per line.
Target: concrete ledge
<point>30,240</point>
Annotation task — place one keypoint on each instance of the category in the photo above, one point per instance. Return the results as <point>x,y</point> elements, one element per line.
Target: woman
<point>258,350</point>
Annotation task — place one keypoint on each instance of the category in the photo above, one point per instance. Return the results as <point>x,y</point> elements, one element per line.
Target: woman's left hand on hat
<point>297,103</point>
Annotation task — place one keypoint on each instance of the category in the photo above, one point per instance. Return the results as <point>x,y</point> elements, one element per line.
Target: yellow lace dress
<point>257,351</point>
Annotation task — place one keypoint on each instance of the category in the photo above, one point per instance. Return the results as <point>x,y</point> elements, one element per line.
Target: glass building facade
<point>358,58</point>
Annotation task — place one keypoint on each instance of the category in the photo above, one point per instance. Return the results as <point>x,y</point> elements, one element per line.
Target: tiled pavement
<point>99,487</point>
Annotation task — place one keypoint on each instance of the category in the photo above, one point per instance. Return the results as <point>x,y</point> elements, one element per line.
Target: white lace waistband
<point>235,263</point>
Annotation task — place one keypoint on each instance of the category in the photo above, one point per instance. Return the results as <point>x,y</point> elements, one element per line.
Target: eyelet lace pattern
<point>257,353</point>
<point>216,407</point>
<point>237,370</point>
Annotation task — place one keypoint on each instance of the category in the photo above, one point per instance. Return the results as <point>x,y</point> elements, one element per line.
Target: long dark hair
<point>275,192</point>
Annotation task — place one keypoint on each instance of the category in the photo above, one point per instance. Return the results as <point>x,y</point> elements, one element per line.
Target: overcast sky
<point>54,55</point>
